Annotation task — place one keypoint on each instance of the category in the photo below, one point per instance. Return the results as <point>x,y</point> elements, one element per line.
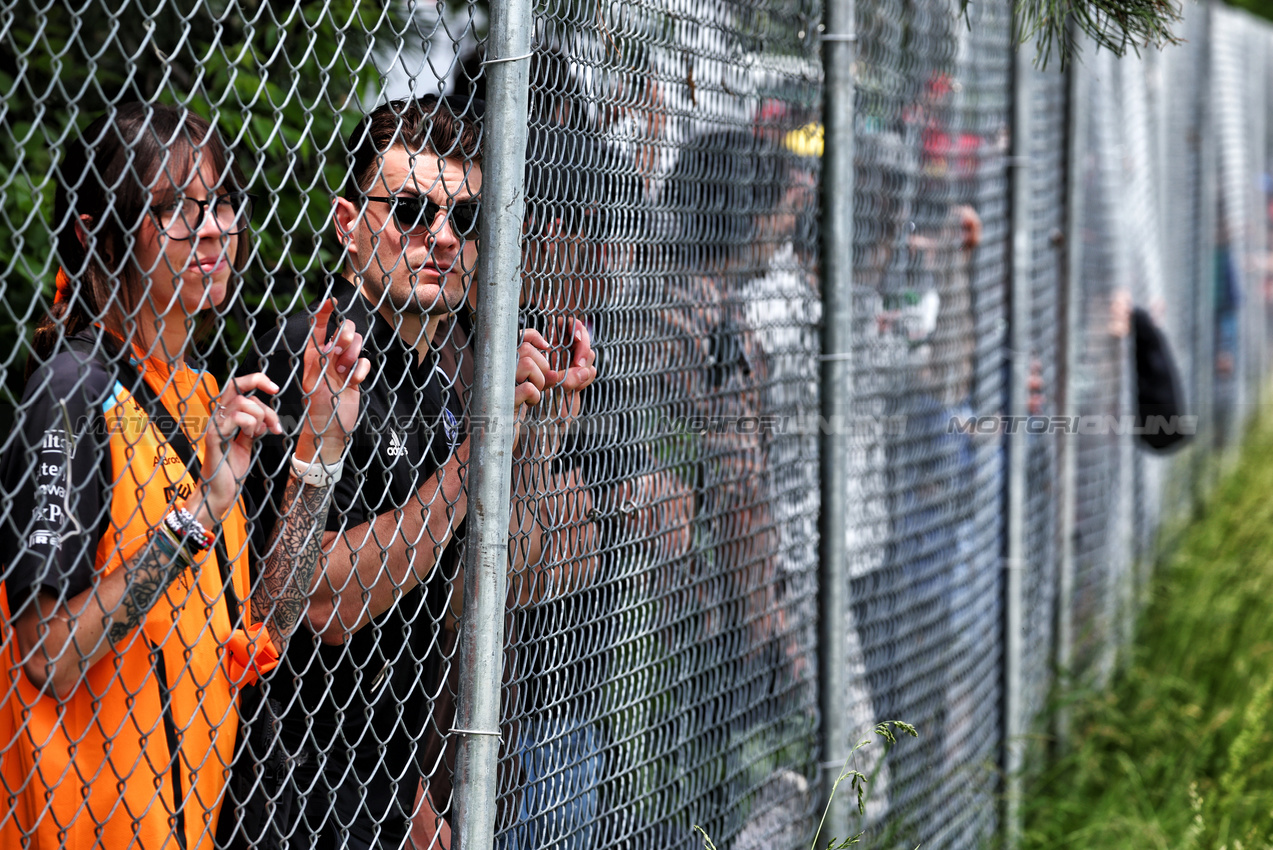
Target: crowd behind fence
<point>661,663</point>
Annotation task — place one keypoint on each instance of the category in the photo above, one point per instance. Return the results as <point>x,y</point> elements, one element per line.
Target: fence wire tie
<point>486,62</point>
<point>831,36</point>
<point>844,355</point>
<point>486,732</point>
<point>1010,564</point>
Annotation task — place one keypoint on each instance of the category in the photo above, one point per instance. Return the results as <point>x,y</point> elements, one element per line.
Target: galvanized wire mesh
<point>1143,278</point>
<point>661,656</point>
<point>1182,77</point>
<point>677,689</point>
<point>1099,388</point>
<point>929,314</point>
<point>1235,189</point>
<point>1239,82</point>
<point>1049,183</point>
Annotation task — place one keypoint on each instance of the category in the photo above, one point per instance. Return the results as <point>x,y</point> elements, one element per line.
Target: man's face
<point>777,227</point>
<point>416,267</point>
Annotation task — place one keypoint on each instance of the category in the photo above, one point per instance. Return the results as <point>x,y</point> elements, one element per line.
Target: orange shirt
<point>96,769</point>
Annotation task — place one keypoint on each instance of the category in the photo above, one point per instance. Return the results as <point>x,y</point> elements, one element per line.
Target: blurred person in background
<point>604,506</point>
<point>726,203</point>
<point>551,762</point>
<point>923,335</point>
<point>783,307</point>
<point>554,658</point>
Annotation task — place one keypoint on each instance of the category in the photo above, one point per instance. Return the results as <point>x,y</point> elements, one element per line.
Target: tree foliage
<point>281,84</point>
<point>1055,26</point>
<point>1263,8</point>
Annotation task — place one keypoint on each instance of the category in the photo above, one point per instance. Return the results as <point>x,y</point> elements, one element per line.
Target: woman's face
<point>185,251</point>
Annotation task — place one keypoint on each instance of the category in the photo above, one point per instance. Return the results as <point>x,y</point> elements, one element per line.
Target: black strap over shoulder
<point>170,429</point>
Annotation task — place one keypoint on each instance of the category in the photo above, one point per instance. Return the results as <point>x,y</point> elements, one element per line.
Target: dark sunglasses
<point>182,218</point>
<point>415,214</point>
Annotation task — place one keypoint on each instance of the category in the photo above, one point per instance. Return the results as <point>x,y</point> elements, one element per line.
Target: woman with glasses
<point>129,622</point>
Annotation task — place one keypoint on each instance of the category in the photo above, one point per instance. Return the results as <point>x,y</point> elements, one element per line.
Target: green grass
<point>1179,754</point>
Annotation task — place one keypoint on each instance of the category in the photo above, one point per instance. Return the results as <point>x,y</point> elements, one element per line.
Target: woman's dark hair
<point>105,184</point>
<point>716,193</point>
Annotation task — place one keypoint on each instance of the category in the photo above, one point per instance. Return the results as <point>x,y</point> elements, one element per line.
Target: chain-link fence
<point>661,665</point>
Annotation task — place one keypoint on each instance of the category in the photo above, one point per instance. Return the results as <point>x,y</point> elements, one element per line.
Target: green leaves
<point>858,781</point>
<point>281,89</point>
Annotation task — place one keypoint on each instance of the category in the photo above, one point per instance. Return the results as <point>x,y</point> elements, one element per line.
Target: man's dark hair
<point>579,180</point>
<point>557,97</point>
<point>449,127</point>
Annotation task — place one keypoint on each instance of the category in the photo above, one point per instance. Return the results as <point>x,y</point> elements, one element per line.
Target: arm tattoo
<point>148,577</point>
<point>282,594</point>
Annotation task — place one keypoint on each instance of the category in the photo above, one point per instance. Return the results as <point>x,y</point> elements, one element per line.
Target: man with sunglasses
<point>336,752</point>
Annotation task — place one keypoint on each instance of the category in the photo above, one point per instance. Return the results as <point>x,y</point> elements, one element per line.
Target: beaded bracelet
<point>189,531</point>
<point>167,543</point>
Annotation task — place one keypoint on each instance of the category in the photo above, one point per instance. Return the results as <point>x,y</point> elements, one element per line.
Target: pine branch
<point>1115,25</point>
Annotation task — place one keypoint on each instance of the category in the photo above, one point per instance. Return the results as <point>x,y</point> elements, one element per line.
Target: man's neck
<point>416,329</point>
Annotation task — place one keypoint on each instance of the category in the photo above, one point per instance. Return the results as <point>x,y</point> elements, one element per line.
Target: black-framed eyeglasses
<point>415,214</point>
<point>182,218</point>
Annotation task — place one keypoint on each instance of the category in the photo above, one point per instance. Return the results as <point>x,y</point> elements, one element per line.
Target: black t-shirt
<point>363,702</point>
<point>55,475</point>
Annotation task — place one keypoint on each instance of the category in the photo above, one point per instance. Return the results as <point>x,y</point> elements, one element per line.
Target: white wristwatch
<point>318,474</point>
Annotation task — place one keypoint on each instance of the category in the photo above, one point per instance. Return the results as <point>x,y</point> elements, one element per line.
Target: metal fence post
<point>489,469</point>
<point>838,42</point>
<point>1075,173</point>
<point>1258,238</point>
<point>1130,501</point>
<point>1204,291</point>
<point>1019,408</point>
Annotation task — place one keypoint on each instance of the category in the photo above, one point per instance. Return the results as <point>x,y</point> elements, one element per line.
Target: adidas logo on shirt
<point>397,444</point>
